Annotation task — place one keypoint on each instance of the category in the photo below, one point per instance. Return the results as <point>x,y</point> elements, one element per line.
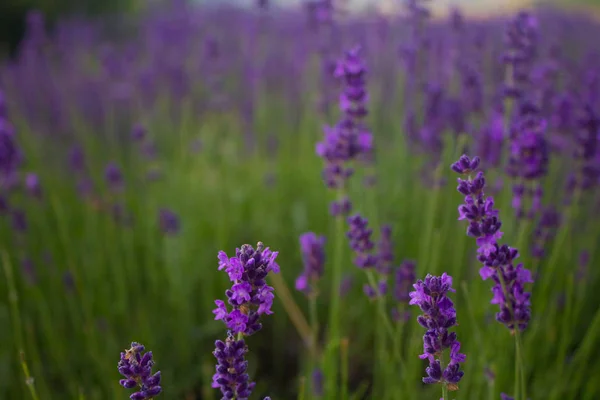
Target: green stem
<point>314,327</point>
<point>28,378</point>
<point>380,305</point>
<point>445,391</point>
<point>444,384</point>
<point>516,390</point>
<point>334,312</point>
<point>344,389</point>
<point>519,361</point>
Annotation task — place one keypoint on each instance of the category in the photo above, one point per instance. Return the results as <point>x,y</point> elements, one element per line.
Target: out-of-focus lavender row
<point>78,74</point>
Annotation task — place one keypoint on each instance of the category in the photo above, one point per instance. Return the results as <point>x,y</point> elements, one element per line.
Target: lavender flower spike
<point>231,376</point>
<point>313,256</point>
<point>249,296</point>
<point>497,260</point>
<point>136,367</point>
<point>438,316</point>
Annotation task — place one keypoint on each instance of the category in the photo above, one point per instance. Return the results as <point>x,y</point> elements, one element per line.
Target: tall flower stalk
<point>249,298</point>
<point>439,315</point>
<point>497,260</point>
<point>344,143</point>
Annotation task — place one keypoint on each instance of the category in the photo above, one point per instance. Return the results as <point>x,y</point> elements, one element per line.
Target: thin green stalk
<point>314,328</point>
<point>380,305</point>
<point>334,312</point>
<point>518,363</point>
<point>519,356</point>
<point>444,384</point>
<point>28,378</point>
<point>302,389</point>
<point>344,352</point>
<point>445,391</point>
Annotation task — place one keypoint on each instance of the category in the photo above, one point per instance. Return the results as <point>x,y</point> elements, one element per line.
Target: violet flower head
<point>168,221</point>
<point>10,154</point>
<point>498,260</point>
<point>528,162</point>
<point>138,133</point>
<point>354,97</point>
<point>359,235</point>
<point>385,251</point>
<point>439,315</point>
<point>136,366</point>
<point>521,45</point>
<point>349,139</point>
<point>249,296</point>
<point>404,277</point>
<point>313,257</point>
<point>529,153</point>
<point>113,176</point>
<point>231,375</point>
<point>32,184</point>
<point>76,159</point>
<point>588,149</point>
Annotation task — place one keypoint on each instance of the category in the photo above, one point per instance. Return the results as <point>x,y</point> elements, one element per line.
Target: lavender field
<point>301,204</point>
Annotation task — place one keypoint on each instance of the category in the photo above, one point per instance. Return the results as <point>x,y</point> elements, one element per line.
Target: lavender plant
<point>438,317</point>
<point>249,297</point>
<point>214,98</point>
<point>136,366</point>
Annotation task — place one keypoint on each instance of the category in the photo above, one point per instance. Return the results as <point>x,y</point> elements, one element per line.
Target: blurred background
<point>140,137</point>
<point>12,12</point>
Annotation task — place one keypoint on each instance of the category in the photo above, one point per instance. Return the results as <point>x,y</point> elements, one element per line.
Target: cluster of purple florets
<point>313,258</point>
<point>361,242</point>
<point>231,372</point>
<point>438,317</point>
<point>136,367</point>
<point>249,296</point>
<point>521,45</point>
<point>497,260</point>
<point>11,177</point>
<point>349,139</point>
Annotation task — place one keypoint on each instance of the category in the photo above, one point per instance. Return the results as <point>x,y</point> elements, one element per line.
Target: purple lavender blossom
<point>361,242</point>
<point>313,257</point>
<point>168,221</point>
<point>32,184</point>
<point>138,132</point>
<point>317,382</point>
<point>250,296</point>
<point>10,154</point>
<point>404,277</point>
<point>76,159</point>
<point>19,220</point>
<point>545,232</point>
<point>385,251</point>
<point>231,375</point>
<point>497,260</point>
<point>114,177</point>
<point>349,139</point>
<point>438,317</point>
<point>588,149</point>
<point>521,45</point>
<point>136,367</point>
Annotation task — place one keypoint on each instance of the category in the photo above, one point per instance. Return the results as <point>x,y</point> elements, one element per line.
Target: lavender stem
<point>334,312</point>
<point>519,361</point>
